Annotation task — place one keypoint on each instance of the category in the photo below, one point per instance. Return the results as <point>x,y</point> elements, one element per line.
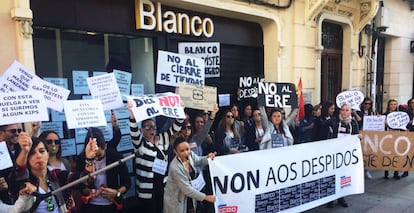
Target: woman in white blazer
<point>184,181</point>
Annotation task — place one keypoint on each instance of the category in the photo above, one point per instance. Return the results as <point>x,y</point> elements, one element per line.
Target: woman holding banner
<point>184,181</point>
<point>151,161</point>
<point>103,193</point>
<point>31,166</point>
<point>343,127</point>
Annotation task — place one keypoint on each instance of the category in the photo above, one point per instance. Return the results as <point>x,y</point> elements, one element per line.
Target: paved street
<point>381,195</point>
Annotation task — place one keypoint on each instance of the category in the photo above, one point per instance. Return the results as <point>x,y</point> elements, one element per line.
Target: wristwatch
<point>118,194</point>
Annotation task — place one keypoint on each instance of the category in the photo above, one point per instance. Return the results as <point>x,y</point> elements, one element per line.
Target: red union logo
<point>228,209</point>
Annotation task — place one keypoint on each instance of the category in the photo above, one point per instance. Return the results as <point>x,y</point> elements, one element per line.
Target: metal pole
<point>81,179</point>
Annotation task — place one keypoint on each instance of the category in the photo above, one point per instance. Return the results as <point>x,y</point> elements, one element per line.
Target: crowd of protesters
<point>170,161</point>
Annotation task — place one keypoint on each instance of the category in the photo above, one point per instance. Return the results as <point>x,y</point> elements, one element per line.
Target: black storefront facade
<point>96,35</point>
<point>101,35</point>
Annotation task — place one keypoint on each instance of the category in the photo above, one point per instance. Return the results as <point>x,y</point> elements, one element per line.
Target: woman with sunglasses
<point>56,161</point>
<point>151,161</point>
<point>227,136</point>
<point>31,166</point>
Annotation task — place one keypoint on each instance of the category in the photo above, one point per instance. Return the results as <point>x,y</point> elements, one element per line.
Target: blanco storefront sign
<point>149,16</point>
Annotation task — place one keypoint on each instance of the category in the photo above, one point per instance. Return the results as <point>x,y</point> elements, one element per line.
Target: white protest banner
<point>398,120</point>
<point>124,81</point>
<point>248,86</point>
<point>166,104</point>
<point>374,122</point>
<point>105,88</point>
<point>198,97</point>
<point>54,95</point>
<point>84,113</point>
<point>280,95</point>
<point>288,179</point>
<point>22,106</point>
<point>208,51</point>
<point>5,159</point>
<point>16,78</point>
<point>352,98</point>
<point>174,68</point>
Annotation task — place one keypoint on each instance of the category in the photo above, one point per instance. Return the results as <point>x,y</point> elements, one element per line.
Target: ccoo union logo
<point>227,209</point>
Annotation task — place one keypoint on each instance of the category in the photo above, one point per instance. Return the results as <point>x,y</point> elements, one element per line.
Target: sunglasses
<point>367,103</point>
<point>188,127</point>
<point>229,116</point>
<point>206,113</point>
<point>14,131</point>
<point>51,141</point>
<point>148,128</point>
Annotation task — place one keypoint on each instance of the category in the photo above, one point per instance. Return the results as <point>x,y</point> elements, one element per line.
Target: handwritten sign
<point>398,120</point>
<point>198,97</point>
<point>175,68</point>
<point>280,95</point>
<point>248,86</point>
<point>388,150</point>
<point>352,98</point>
<point>80,86</point>
<point>22,106</point>
<point>374,123</point>
<point>208,51</point>
<point>5,159</point>
<point>166,104</point>
<point>124,81</point>
<point>105,88</point>
<point>53,94</point>
<point>84,113</point>
<point>16,78</point>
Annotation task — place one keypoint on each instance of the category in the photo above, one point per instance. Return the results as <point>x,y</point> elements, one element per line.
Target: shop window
<point>59,52</point>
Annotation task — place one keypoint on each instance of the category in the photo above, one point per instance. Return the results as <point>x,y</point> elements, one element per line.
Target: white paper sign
<point>105,88</point>
<point>165,104</point>
<point>5,159</point>
<point>288,179</point>
<point>174,68</point>
<point>352,98</point>
<point>54,95</point>
<point>22,106</point>
<point>84,113</point>
<point>208,51</point>
<point>374,122</point>
<point>398,120</point>
<point>16,78</point>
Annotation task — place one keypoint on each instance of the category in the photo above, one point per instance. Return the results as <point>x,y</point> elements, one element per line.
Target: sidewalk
<point>381,196</point>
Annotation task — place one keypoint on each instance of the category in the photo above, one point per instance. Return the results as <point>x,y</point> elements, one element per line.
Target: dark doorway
<point>331,64</point>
